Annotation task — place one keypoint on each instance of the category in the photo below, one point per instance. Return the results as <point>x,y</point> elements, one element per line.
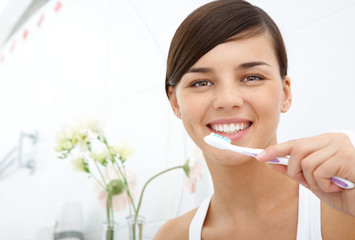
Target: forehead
<point>256,48</point>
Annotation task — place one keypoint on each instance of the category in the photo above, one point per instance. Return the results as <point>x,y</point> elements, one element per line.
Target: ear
<point>173,101</point>
<point>287,96</point>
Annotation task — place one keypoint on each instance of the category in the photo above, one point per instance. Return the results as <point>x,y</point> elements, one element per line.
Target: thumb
<point>277,150</point>
<point>271,152</point>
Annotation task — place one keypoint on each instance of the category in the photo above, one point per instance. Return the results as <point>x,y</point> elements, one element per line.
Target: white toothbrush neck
<point>245,150</point>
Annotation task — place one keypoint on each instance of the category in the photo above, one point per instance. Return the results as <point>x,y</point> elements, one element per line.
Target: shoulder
<point>176,228</point>
<point>337,225</point>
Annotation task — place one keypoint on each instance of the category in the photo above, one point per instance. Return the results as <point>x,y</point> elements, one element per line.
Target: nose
<point>228,96</point>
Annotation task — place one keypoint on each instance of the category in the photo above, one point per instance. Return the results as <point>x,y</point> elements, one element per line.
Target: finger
<point>324,172</point>
<point>310,163</point>
<point>342,164</point>
<point>294,169</point>
<point>303,146</point>
<point>277,150</point>
<point>298,150</point>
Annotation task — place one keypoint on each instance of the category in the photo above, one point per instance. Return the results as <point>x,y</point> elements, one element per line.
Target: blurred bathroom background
<point>62,60</point>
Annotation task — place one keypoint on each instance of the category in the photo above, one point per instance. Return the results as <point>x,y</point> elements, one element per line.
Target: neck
<point>252,187</point>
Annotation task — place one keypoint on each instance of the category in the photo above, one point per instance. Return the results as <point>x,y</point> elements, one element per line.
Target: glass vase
<point>110,231</point>
<point>135,227</point>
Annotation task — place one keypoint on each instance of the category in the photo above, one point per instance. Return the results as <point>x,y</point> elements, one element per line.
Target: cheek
<point>192,111</point>
<point>191,105</point>
<point>271,105</point>
<point>267,105</point>
<point>273,108</point>
<point>270,99</point>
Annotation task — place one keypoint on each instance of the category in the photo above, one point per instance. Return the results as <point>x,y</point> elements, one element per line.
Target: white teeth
<point>230,128</point>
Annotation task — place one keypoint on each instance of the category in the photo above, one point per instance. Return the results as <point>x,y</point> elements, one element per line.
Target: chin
<point>228,158</point>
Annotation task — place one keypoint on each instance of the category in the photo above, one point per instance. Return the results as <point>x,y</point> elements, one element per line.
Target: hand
<point>313,161</point>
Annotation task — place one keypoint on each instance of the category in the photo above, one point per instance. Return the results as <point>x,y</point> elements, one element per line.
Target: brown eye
<point>252,78</point>
<point>202,83</point>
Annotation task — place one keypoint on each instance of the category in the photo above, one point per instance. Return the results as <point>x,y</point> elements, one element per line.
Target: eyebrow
<point>241,66</point>
<point>199,70</point>
<point>248,65</point>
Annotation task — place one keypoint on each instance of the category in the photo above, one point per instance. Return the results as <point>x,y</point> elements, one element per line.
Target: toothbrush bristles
<point>224,138</point>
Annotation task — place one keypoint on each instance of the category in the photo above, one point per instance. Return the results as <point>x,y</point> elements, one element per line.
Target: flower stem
<point>108,207</point>
<point>146,184</point>
<point>110,231</point>
<point>103,183</point>
<point>127,187</point>
<point>122,174</point>
<point>98,168</point>
<point>100,183</point>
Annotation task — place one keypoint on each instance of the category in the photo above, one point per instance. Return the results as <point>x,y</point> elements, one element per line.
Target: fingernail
<point>260,155</point>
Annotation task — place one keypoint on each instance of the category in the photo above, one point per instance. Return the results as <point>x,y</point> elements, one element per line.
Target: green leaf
<point>186,167</point>
<point>86,167</point>
<point>104,162</point>
<point>89,146</point>
<point>63,156</point>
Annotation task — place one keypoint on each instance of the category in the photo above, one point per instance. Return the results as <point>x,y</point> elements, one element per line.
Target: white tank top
<point>309,219</point>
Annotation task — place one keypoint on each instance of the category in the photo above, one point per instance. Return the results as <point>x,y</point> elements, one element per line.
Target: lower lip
<point>233,136</point>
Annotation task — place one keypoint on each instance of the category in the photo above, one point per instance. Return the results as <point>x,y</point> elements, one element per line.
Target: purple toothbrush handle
<point>341,182</point>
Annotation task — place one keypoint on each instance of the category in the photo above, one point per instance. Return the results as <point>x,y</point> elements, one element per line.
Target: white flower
<point>100,156</point>
<point>121,200</point>
<point>193,170</point>
<point>79,164</point>
<point>67,145</point>
<point>64,139</point>
<point>114,149</point>
<point>81,137</point>
<point>123,150</point>
<point>81,133</point>
<point>92,124</point>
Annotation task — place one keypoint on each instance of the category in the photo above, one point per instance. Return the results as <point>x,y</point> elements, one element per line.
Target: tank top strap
<point>198,220</point>
<point>309,215</point>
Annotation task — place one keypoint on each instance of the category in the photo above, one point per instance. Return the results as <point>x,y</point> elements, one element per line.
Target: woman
<point>227,74</point>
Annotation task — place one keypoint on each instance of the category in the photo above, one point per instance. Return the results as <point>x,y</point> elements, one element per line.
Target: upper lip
<point>229,120</point>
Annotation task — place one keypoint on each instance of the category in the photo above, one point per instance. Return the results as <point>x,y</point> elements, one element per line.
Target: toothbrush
<point>220,142</point>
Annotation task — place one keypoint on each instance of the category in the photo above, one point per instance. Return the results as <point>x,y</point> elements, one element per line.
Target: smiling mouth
<point>230,128</point>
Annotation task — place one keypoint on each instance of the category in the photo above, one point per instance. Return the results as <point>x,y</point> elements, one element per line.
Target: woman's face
<point>235,90</point>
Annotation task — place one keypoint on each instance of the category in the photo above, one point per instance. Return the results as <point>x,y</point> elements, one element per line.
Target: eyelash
<point>253,76</point>
<point>208,83</point>
<point>196,83</point>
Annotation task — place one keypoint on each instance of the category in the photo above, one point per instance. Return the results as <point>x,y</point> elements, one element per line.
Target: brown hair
<point>213,24</point>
